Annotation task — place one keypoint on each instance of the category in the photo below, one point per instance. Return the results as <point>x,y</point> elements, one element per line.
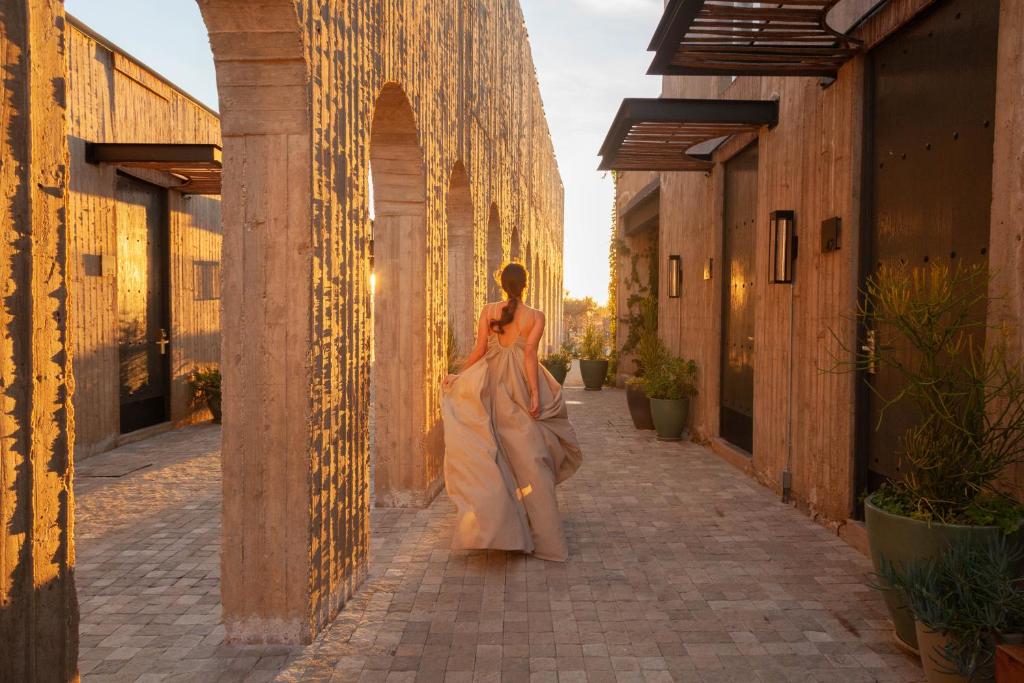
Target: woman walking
<point>507,434</point>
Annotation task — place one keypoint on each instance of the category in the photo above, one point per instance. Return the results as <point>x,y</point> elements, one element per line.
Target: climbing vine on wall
<point>613,265</point>
<point>613,283</point>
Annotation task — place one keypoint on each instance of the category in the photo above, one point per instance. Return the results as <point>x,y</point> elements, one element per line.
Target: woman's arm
<point>532,363</point>
<point>482,329</point>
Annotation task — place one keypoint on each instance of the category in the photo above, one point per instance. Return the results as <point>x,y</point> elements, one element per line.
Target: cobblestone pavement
<point>681,569</point>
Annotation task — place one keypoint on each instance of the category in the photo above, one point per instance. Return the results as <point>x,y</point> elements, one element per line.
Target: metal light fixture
<point>675,276</point>
<point>783,244</point>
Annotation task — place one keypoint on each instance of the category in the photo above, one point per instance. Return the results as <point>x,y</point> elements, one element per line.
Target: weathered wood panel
<point>1006,249</point>
<point>113,99</point>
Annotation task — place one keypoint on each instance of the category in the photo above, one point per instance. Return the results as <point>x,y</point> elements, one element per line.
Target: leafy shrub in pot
<point>593,358</point>
<point>648,351</point>
<point>558,363</point>
<point>963,601</point>
<point>967,393</point>
<point>669,383</point>
<point>204,384</point>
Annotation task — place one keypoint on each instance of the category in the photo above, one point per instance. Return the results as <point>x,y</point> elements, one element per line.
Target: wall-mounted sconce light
<point>675,276</point>
<point>783,244</point>
<point>708,267</point>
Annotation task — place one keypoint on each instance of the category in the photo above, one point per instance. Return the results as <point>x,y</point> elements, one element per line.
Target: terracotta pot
<point>639,407</point>
<point>670,417</point>
<point>937,669</point>
<point>594,373</point>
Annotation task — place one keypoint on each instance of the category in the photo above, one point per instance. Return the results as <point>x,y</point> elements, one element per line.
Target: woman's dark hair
<point>513,281</point>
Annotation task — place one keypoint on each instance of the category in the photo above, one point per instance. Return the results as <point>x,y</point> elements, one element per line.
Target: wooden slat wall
<point>112,99</point>
<point>1006,252</point>
<point>810,163</point>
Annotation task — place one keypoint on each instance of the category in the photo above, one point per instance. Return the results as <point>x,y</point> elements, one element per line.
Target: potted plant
<point>593,358</point>
<point>558,363</point>
<point>649,351</point>
<point>670,382</point>
<point>204,384</point>
<point>963,601</point>
<point>968,400</point>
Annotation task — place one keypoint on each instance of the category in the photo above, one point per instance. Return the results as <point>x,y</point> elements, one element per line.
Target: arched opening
<point>532,290</point>
<point>515,248</point>
<point>461,262</point>
<point>495,254</point>
<point>399,329</point>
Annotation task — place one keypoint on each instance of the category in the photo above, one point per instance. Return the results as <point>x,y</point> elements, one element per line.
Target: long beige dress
<point>501,464</point>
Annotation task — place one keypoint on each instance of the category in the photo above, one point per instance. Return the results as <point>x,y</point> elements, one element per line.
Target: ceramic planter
<point>558,373</point>
<point>670,417</point>
<point>639,407</point>
<point>937,669</point>
<point>902,540</point>
<point>594,373</point>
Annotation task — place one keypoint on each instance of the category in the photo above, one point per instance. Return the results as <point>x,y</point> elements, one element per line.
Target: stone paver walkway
<point>682,569</point>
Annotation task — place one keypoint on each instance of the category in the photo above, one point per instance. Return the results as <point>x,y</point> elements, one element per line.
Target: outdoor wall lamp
<point>783,245</point>
<point>675,276</point>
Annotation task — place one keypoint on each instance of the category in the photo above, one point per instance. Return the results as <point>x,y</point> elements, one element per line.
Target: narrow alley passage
<point>681,569</point>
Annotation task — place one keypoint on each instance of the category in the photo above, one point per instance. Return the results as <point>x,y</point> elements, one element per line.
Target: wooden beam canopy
<point>730,38</point>
<point>198,166</point>
<point>662,134</point>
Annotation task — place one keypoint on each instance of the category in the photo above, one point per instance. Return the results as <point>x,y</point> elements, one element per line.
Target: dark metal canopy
<point>662,134</point>
<point>198,166</point>
<point>730,38</point>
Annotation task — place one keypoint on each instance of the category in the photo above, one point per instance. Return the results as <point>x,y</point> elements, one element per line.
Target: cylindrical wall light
<point>783,243</point>
<point>675,276</point>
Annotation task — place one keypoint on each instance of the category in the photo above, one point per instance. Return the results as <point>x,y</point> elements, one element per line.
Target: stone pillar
<point>294,535</point>
<point>38,608</point>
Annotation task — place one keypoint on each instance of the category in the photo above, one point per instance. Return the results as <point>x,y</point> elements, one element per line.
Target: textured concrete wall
<point>38,610</point>
<point>299,82</point>
<point>300,103</point>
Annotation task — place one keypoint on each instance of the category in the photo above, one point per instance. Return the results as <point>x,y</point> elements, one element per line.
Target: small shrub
<point>204,383</point>
<point>670,378</point>
<point>593,344</point>
<point>972,593</point>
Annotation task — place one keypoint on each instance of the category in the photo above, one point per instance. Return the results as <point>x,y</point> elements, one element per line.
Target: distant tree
<point>577,312</point>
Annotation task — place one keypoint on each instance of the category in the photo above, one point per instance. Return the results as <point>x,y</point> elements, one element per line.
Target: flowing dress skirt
<point>502,465</point>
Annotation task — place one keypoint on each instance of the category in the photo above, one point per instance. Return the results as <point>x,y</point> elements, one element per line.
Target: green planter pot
<point>594,373</point>
<point>903,540</point>
<point>670,417</point>
<point>558,373</point>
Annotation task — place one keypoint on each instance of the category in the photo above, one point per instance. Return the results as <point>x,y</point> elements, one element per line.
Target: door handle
<point>870,349</point>
<point>163,342</point>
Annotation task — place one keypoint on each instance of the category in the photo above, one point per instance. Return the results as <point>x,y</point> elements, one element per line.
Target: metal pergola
<point>197,166</point>
<point>733,38</point>
<point>666,134</point>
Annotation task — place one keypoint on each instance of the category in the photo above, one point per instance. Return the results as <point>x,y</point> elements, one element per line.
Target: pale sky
<point>589,55</point>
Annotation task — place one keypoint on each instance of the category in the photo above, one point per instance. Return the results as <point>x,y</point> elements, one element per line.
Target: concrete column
<point>293,537</point>
<point>38,608</point>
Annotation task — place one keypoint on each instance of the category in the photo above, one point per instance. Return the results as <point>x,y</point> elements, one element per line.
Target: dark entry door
<point>739,300</point>
<point>142,305</point>
<point>929,156</point>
